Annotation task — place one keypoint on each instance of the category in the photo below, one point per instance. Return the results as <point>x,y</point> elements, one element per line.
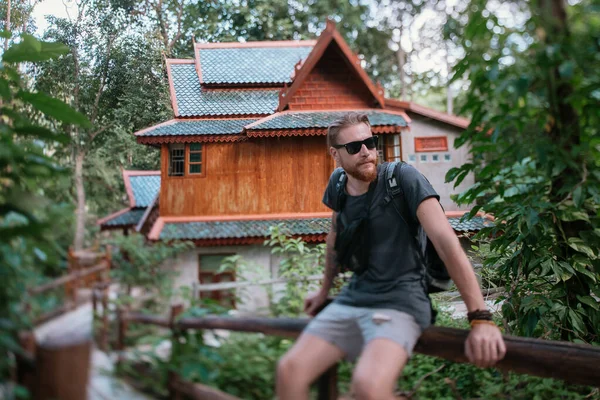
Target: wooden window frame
<point>170,148</point>
<point>389,146</point>
<point>422,147</point>
<point>217,295</point>
<point>186,161</point>
<point>189,152</point>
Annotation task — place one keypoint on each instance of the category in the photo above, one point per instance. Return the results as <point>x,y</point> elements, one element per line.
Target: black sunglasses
<point>354,147</point>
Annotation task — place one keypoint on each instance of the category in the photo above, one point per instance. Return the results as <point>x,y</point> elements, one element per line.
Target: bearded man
<point>379,316</point>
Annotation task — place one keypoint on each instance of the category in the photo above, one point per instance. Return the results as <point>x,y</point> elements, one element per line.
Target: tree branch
<point>109,44</point>
<point>179,28</point>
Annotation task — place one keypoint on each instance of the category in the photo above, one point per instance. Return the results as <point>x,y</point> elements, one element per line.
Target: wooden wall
<point>261,176</point>
<point>332,85</point>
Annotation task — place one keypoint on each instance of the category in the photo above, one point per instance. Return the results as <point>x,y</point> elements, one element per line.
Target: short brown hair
<point>345,121</point>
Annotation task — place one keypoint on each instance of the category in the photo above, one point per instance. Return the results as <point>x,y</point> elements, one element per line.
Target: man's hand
<point>313,302</point>
<point>484,346</point>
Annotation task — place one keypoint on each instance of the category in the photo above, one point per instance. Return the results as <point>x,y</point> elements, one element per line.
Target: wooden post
<point>327,384</point>
<point>105,323</point>
<point>122,324</point>
<point>62,368</point>
<point>176,310</point>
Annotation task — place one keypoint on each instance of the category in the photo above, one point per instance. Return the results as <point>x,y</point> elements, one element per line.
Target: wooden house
<point>246,148</point>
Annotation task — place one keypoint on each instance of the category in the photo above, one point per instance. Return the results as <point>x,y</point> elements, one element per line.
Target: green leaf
<point>562,270</point>
<point>55,108</point>
<point>42,133</point>
<point>4,34</point>
<point>576,321</point>
<point>582,269</point>
<point>590,301</point>
<point>566,69</point>
<point>578,196</point>
<point>32,50</point>
<point>4,89</point>
<point>580,246</point>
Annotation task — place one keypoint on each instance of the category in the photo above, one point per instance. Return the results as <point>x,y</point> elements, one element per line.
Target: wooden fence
<point>94,269</point>
<point>574,363</point>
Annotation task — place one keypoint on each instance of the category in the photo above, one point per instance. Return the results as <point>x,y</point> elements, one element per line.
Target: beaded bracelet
<point>482,315</point>
<point>482,321</point>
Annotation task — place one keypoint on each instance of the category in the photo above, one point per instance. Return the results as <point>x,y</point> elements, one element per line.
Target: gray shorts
<point>351,328</point>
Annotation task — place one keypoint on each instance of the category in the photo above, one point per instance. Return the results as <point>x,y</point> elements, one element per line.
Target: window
<point>447,157</point>
<point>412,158</point>
<point>187,159</point>
<point>176,159</point>
<point>208,272</point>
<point>381,149</point>
<point>435,158</point>
<point>389,148</point>
<point>423,158</point>
<point>195,158</point>
<point>393,148</point>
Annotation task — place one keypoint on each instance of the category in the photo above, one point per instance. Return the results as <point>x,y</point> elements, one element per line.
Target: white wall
<point>254,298</point>
<point>436,171</point>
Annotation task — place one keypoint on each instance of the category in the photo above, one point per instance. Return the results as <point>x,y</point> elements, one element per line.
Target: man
<point>383,310</point>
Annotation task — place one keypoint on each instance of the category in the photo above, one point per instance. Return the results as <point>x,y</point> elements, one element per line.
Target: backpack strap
<point>391,184</point>
<point>340,185</point>
<point>394,191</point>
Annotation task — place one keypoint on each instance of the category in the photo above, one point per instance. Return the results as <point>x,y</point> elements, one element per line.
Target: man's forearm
<point>331,267</point>
<point>461,272</point>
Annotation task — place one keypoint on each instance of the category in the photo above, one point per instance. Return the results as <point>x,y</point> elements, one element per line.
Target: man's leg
<point>378,370</point>
<point>308,359</point>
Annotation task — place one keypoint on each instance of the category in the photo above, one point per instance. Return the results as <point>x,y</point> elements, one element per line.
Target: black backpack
<point>438,279</point>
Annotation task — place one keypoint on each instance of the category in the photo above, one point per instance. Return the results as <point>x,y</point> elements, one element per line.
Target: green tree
<point>535,101</point>
<point>27,243</point>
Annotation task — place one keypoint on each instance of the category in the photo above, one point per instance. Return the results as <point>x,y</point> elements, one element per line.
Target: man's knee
<point>367,388</point>
<point>290,370</point>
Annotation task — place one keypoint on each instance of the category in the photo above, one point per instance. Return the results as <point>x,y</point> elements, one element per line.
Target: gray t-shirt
<point>395,276</point>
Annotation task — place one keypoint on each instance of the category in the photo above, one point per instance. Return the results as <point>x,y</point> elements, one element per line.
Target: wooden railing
<point>79,276</point>
<point>574,363</point>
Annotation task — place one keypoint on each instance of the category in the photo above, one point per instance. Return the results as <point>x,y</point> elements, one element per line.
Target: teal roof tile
<point>319,119</point>
<point>131,217</point>
<point>251,64</point>
<point>260,228</point>
<point>473,225</point>
<point>203,127</point>
<point>192,100</point>
<point>144,188</point>
<point>243,229</point>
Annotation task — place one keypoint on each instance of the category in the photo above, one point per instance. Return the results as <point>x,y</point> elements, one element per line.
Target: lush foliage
<point>535,101</point>
<point>299,262</point>
<point>141,264</point>
<point>27,244</point>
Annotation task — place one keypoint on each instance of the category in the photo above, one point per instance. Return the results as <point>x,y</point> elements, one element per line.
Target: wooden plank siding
<point>260,176</point>
<point>332,85</point>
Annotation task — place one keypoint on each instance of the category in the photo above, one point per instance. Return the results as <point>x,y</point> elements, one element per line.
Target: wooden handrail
<point>574,363</point>
<point>102,265</point>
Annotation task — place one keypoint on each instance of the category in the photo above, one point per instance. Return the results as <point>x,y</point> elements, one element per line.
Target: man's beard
<point>361,173</point>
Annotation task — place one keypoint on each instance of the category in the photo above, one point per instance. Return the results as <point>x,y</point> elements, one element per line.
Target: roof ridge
<point>255,44</point>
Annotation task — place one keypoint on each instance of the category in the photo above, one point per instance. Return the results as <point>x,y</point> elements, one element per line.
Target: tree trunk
<point>449,96</point>
<point>401,55</point>
<point>7,23</point>
<point>80,190</point>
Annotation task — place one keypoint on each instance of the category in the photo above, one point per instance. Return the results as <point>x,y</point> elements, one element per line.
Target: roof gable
<point>251,63</point>
<point>331,41</point>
